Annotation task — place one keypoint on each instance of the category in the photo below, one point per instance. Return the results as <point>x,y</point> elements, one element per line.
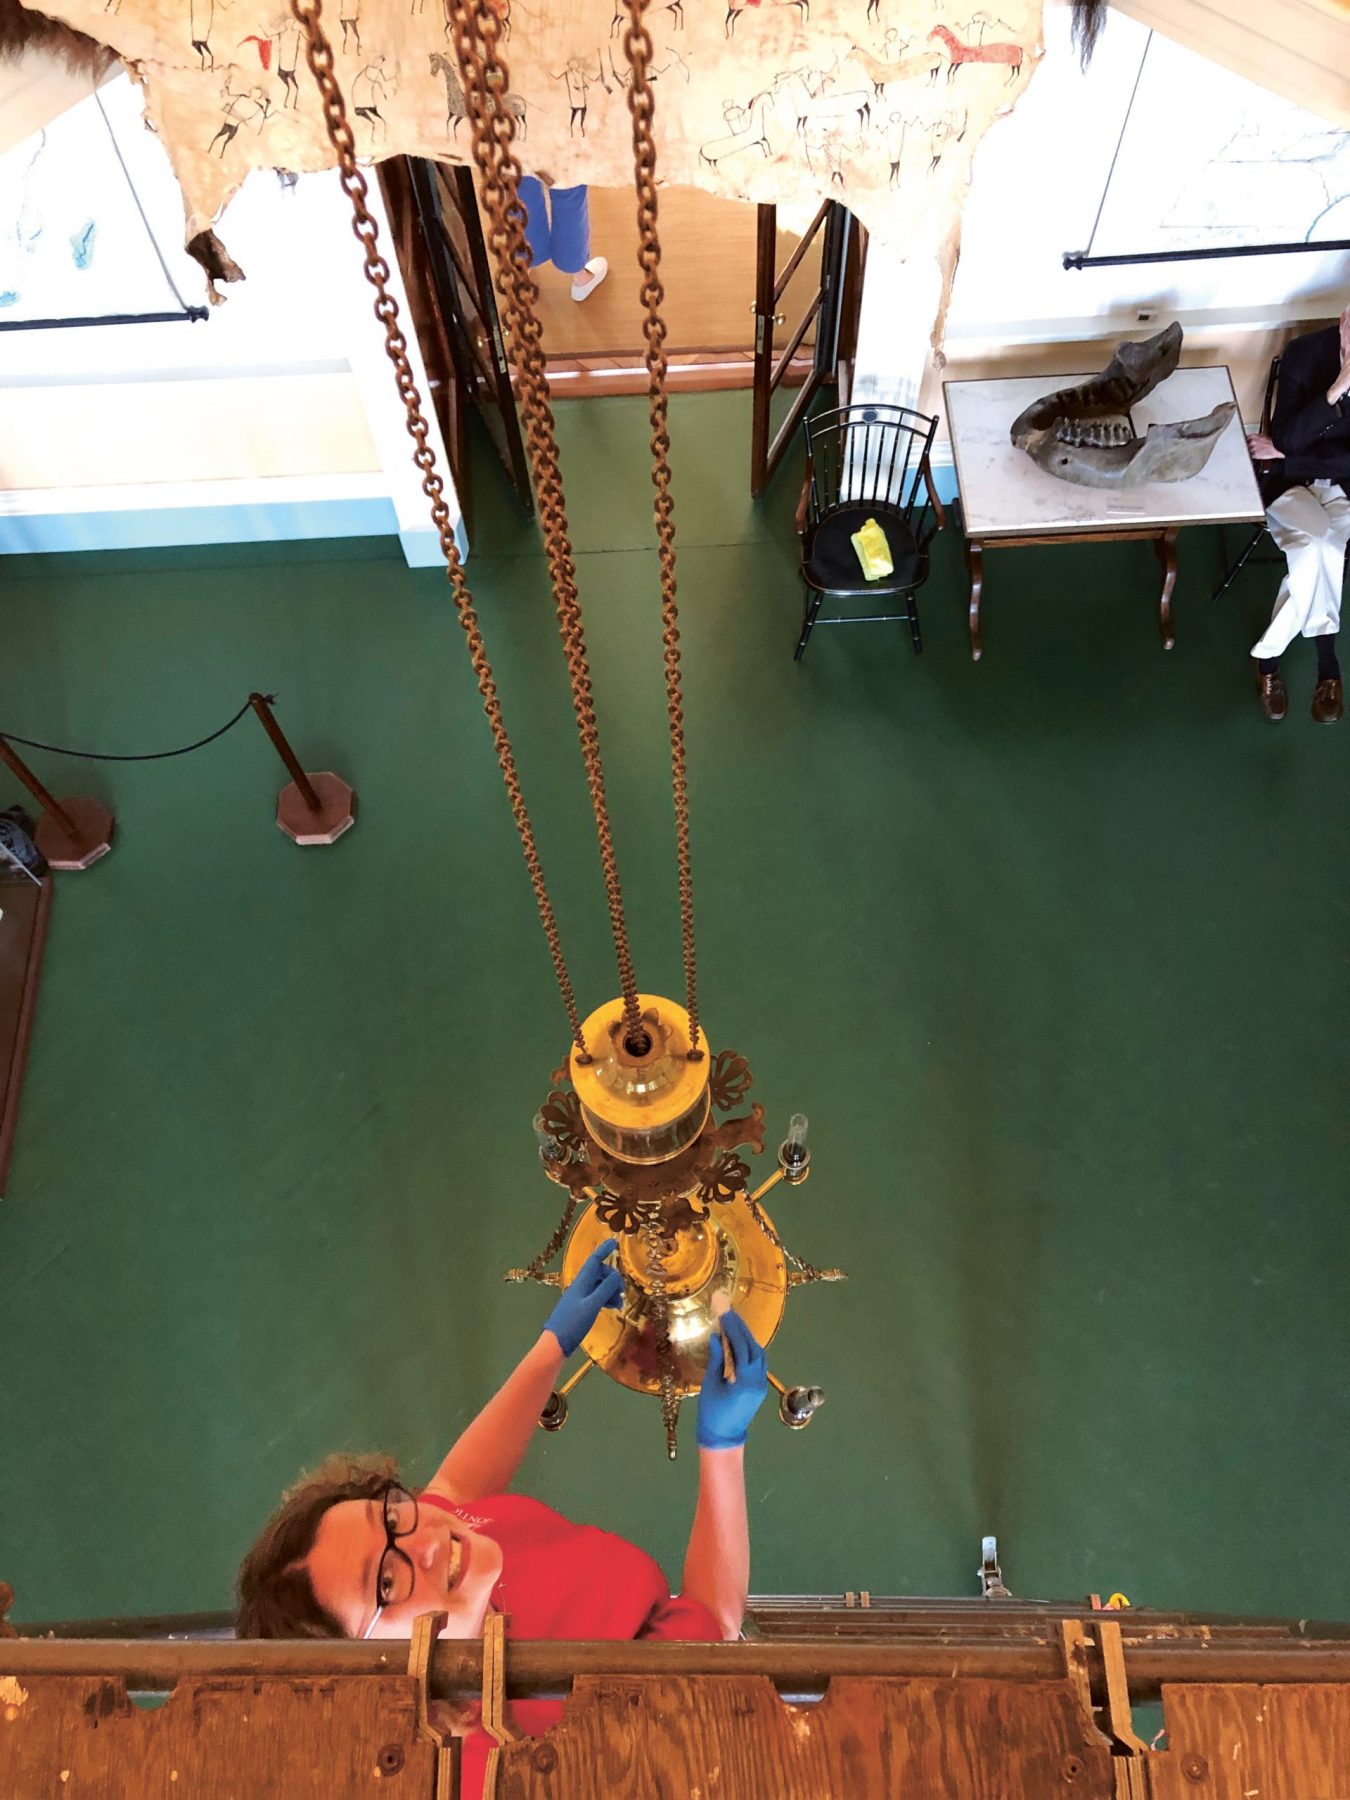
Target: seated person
<point>1304,472</point>
<point>351,1553</point>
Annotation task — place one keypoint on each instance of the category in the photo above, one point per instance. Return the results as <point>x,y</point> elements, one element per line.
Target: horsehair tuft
<point>23,29</point>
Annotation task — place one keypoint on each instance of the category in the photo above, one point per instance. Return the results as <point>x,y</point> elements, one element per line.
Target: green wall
<point>1051,949</point>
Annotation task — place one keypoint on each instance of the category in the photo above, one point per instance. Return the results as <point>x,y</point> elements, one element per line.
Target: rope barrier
<point>148,756</point>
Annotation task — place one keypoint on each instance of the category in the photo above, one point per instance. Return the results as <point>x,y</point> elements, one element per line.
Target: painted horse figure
<point>748,130</point>
<point>456,102</point>
<point>1009,54</point>
<point>736,7</point>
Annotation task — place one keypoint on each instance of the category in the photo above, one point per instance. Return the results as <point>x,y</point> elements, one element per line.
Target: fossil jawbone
<point>1134,370</point>
<point>1102,453</point>
<point>1083,434</point>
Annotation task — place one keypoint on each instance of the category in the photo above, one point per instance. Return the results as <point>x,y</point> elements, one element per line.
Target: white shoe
<point>590,278</point>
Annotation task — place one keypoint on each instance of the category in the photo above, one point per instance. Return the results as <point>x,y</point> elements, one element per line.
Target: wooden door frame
<point>834,310</point>
<point>432,266</point>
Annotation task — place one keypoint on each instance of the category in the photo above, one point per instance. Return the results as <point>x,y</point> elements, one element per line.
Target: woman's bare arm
<point>487,1453</point>
<point>717,1562</point>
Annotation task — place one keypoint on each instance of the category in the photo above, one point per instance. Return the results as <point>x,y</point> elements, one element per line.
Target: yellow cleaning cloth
<point>873,551</point>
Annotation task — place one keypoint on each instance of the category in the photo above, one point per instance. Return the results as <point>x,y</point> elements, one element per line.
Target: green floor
<point>1051,950</point>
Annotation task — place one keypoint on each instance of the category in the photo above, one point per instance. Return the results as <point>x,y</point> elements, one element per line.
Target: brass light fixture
<point>632,1128</point>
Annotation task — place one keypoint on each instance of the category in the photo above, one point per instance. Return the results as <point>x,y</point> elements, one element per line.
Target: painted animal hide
<point>877,103</point>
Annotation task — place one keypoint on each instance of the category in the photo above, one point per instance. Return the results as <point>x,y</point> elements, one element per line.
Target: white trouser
<point>1311,525</point>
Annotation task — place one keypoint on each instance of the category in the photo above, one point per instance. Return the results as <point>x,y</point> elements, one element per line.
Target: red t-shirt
<point>561,1580</point>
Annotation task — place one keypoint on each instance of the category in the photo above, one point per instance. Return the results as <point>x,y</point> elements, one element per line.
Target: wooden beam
<point>1297,48</point>
<point>802,1666</point>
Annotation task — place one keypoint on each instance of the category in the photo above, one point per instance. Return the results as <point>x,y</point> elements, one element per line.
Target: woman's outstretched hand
<point>725,1408</point>
<point>594,1287</point>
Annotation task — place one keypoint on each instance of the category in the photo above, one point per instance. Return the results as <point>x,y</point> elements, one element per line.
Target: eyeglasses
<point>395,1577</point>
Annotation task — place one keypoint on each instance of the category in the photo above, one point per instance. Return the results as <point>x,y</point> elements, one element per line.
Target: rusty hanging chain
<point>477,33</point>
<point>637,45</point>
<point>319,55</point>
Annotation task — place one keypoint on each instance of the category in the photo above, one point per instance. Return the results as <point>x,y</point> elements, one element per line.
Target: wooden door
<point>812,300</point>
<point>449,257</point>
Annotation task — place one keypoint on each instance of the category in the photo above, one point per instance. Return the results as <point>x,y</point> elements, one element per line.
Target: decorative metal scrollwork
<point>729,1176</point>
<point>730,1080</point>
<point>623,1213</point>
<point>560,1116</point>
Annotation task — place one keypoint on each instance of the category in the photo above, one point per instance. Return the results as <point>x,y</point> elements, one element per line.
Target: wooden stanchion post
<point>312,808</point>
<point>71,833</point>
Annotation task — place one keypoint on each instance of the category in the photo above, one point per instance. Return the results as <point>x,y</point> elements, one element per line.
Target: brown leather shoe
<point>1328,705</point>
<point>1272,694</point>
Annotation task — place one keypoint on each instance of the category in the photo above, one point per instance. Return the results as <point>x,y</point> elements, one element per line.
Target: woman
<point>558,230</point>
<point>351,1553</point>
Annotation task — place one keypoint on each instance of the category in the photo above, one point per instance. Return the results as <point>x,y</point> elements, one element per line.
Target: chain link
<point>477,33</point>
<point>660,1315</point>
<point>319,55</point>
<point>535,1270</point>
<point>807,1270</point>
<point>637,45</point>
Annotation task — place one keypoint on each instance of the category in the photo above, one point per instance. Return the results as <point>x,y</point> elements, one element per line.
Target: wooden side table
<point>1007,500</point>
<point>1163,539</point>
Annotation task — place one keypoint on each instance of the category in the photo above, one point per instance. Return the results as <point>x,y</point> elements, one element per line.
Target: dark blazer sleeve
<point>1302,411</point>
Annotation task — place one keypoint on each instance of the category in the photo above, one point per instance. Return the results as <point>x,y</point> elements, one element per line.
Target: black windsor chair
<point>1248,552</point>
<point>866,462</point>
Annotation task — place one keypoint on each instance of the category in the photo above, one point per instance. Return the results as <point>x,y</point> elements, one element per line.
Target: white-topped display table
<point>1006,499</point>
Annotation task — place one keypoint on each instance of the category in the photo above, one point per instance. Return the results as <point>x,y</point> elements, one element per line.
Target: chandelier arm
<point>534,1270</point>
<point>477,33</point>
<point>642,106</point>
<point>807,1270</point>
<point>319,56</point>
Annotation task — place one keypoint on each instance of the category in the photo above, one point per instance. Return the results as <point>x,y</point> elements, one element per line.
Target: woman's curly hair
<point>275,1596</point>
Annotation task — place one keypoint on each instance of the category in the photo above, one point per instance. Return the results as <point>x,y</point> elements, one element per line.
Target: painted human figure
<point>349,17</point>
<point>893,137</point>
<point>980,22</point>
<point>288,56</point>
<point>201,16</point>
<point>578,81</point>
<point>369,88</point>
<point>826,151</point>
<point>353,1553</point>
<point>237,110</point>
<point>941,131</point>
<point>1304,471</point>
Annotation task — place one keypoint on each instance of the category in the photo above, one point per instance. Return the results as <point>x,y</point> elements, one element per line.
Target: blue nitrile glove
<point>594,1287</point>
<point>725,1408</point>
